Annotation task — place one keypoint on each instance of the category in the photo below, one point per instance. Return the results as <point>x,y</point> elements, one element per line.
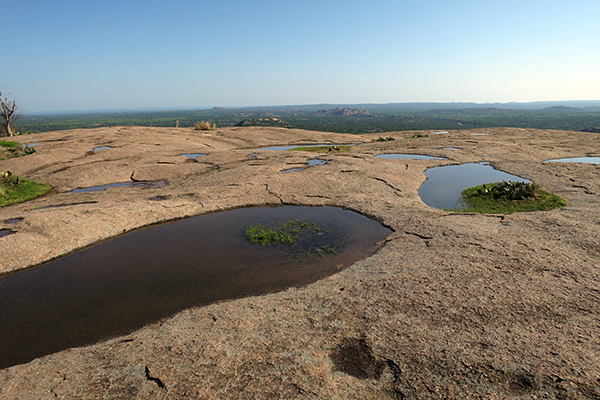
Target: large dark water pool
<point>125,283</point>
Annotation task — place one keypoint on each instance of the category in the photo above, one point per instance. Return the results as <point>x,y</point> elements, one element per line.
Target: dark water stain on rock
<point>142,184</point>
<point>142,277</point>
<point>355,357</point>
<point>14,220</point>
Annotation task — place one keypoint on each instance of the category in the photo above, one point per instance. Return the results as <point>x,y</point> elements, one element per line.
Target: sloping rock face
<point>452,306</point>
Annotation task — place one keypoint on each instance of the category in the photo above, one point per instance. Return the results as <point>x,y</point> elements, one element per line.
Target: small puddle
<point>193,156</point>
<point>144,185</point>
<point>5,232</point>
<point>102,148</point>
<point>587,160</point>
<point>253,155</point>
<point>409,156</point>
<point>14,220</point>
<point>481,133</point>
<point>316,161</point>
<point>283,148</point>
<point>292,169</point>
<point>120,285</point>
<point>440,132</point>
<point>452,148</point>
<point>444,185</point>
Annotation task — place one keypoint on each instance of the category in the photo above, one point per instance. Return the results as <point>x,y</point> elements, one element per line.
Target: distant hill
<point>345,112</point>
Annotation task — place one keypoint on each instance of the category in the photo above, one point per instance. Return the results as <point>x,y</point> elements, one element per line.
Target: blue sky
<point>105,54</point>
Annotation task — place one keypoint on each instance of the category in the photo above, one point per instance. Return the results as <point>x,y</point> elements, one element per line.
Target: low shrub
<point>508,197</point>
<point>205,126</point>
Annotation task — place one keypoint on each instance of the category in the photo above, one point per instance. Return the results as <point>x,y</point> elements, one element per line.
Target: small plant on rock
<point>205,126</point>
<point>508,197</point>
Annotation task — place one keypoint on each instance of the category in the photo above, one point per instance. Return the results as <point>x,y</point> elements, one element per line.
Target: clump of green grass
<point>15,190</point>
<point>8,144</point>
<point>383,139</point>
<point>323,149</point>
<point>287,233</point>
<point>508,197</point>
<point>418,135</point>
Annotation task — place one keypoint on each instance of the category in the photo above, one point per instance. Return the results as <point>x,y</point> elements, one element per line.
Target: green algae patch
<point>287,232</point>
<point>14,189</point>
<point>506,198</point>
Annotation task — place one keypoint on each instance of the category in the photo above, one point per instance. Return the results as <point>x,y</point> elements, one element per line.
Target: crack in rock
<point>396,190</point>
<point>154,379</point>
<point>273,193</point>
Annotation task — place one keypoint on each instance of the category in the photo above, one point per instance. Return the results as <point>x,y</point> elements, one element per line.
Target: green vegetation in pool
<point>287,232</point>
<point>508,197</point>
<point>15,190</point>
<point>323,149</point>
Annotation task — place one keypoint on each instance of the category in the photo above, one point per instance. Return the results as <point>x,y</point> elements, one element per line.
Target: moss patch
<point>15,190</point>
<point>489,199</point>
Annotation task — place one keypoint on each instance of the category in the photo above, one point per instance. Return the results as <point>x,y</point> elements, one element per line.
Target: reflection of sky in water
<point>444,185</point>
<point>408,156</point>
<point>283,148</point>
<point>587,160</point>
<point>316,161</point>
<point>193,156</point>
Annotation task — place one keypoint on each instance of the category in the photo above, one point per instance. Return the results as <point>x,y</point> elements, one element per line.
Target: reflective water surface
<point>193,156</point>
<point>588,160</point>
<point>141,277</point>
<point>444,185</point>
<point>409,156</point>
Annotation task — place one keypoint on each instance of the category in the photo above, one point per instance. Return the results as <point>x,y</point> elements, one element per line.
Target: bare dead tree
<point>9,112</point>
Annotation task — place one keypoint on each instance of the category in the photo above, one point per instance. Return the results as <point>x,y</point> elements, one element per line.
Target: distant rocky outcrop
<point>407,118</point>
<point>268,121</point>
<point>345,112</point>
<point>592,130</point>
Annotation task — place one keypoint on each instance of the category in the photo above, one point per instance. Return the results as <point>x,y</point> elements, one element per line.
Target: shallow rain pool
<point>125,283</point>
<point>444,185</point>
<point>193,156</point>
<point>587,160</point>
<point>408,156</point>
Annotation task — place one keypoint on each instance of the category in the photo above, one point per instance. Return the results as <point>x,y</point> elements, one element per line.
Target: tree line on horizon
<point>369,118</point>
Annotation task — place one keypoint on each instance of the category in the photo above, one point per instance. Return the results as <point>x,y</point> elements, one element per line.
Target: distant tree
<point>9,112</point>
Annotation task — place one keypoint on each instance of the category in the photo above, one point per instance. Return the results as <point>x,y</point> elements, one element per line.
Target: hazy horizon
<point>72,56</point>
